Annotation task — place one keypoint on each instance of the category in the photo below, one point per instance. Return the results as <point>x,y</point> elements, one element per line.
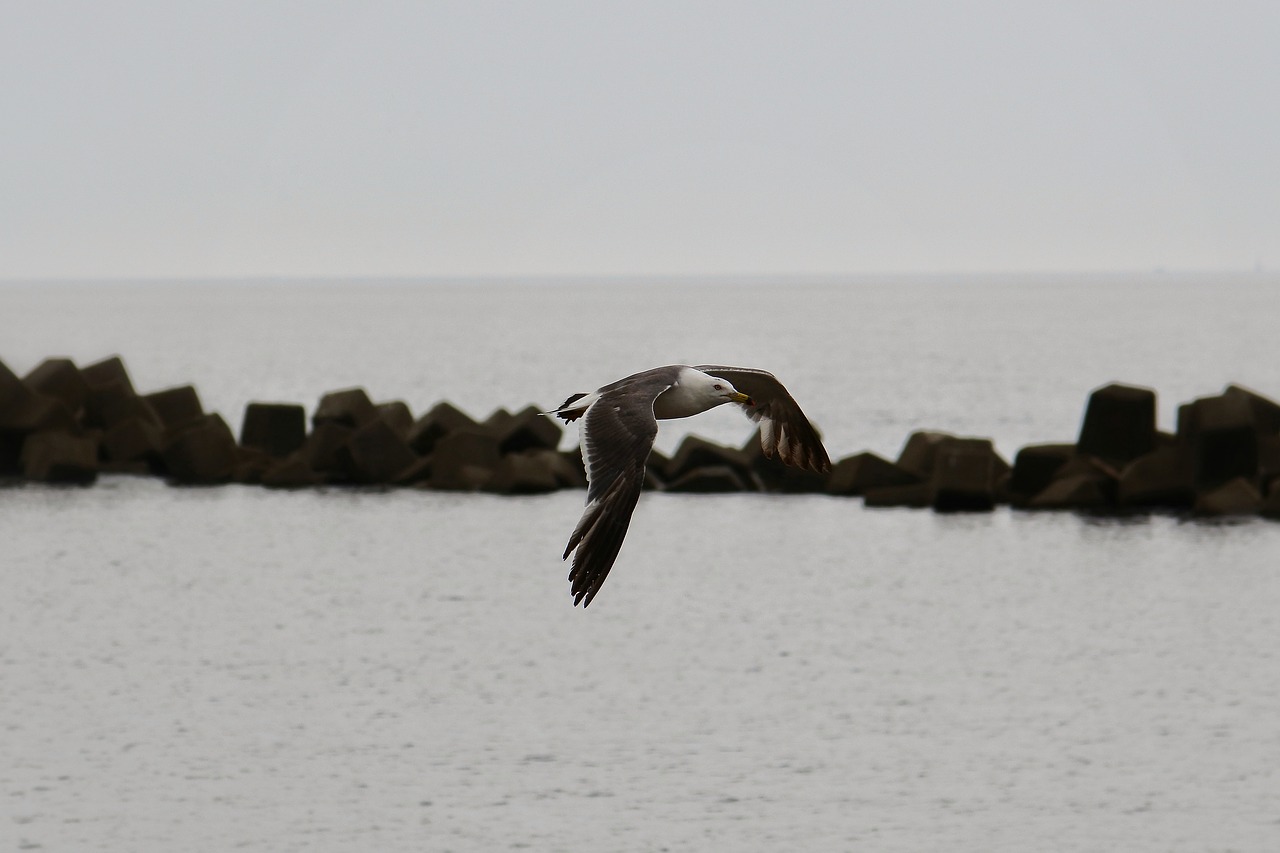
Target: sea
<point>233,668</point>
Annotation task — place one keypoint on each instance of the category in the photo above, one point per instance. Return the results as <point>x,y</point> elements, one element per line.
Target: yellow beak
<point>739,397</point>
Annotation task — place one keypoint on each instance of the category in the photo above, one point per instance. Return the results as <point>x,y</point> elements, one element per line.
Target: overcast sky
<point>472,138</point>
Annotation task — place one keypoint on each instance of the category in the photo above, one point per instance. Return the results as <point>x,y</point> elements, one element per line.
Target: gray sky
<point>376,138</point>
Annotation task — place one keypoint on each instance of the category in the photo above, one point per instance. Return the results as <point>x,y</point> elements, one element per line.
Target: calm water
<point>214,669</point>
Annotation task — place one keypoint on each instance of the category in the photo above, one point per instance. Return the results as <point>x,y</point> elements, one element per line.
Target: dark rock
<point>709,479</point>
<point>60,379</point>
<point>695,452</point>
<point>444,418</point>
<point>464,461</point>
<point>964,475</point>
<point>1119,423</point>
<point>176,407</point>
<point>528,473</point>
<point>277,429</point>
<point>1223,434</point>
<point>1035,466</point>
<point>375,453</point>
<point>107,372</point>
<point>920,451</point>
<point>203,453</point>
<point>1075,491</point>
<point>528,429</point>
<point>396,414</point>
<point>916,495</point>
<point>1162,478</point>
<point>853,475</point>
<point>57,456</point>
<point>350,407</point>
<point>1237,496</point>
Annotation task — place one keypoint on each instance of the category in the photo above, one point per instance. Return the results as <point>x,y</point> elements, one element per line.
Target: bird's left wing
<point>617,435</point>
<point>784,430</point>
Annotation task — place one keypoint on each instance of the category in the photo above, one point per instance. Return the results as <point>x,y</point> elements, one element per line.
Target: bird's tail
<point>568,411</point>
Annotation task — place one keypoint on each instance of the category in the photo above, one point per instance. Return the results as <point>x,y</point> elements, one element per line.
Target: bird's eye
<point>719,387</point>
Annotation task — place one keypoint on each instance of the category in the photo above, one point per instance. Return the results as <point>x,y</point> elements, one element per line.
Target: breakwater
<point>65,423</point>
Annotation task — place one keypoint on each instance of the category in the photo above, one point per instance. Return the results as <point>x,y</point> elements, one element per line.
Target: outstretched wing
<point>784,429</point>
<point>617,435</point>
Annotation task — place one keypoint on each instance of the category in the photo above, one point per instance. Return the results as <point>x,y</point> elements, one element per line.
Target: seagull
<point>619,424</point>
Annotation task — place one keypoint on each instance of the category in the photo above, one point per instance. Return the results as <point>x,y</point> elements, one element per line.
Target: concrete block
<point>322,445</point>
<point>1270,506</point>
<point>527,473</point>
<point>204,453</point>
<point>1076,491</point>
<point>110,403</point>
<point>23,410</point>
<point>695,452</point>
<point>292,472</point>
<point>1162,478</point>
<point>375,453</point>
<point>853,475</point>
<point>1266,412</point>
<point>1035,465</point>
<point>709,479</point>
<point>442,419</point>
<point>134,440</point>
<point>60,379</point>
<point>10,453</point>
<point>107,372</point>
<point>417,474</point>
<point>1237,496</point>
<point>528,429</point>
<point>349,407</point>
<point>277,429</point>
<point>920,451</point>
<point>964,475</point>
<point>177,407</point>
<point>1223,434</point>
<point>57,456</point>
<point>914,495</point>
<point>251,466</point>
<point>396,414</point>
<point>1119,423</point>
<point>12,389</point>
<point>464,461</point>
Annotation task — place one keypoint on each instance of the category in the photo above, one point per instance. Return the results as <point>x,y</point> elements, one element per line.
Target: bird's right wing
<point>784,429</point>
<point>617,436</point>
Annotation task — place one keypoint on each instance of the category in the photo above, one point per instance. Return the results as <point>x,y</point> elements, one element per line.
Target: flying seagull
<point>620,423</point>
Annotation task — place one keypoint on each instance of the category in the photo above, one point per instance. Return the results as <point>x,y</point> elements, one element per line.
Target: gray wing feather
<point>617,435</point>
<point>784,429</point>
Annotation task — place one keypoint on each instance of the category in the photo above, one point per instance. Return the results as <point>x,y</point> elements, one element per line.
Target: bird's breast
<point>679,402</point>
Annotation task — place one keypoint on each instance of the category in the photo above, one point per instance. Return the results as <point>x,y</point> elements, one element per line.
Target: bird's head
<point>723,390</point>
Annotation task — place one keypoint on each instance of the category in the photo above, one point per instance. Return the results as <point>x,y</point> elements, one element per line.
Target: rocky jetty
<point>67,424</point>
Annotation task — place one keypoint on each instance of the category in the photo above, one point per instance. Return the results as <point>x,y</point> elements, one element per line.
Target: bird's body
<point>620,422</point>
